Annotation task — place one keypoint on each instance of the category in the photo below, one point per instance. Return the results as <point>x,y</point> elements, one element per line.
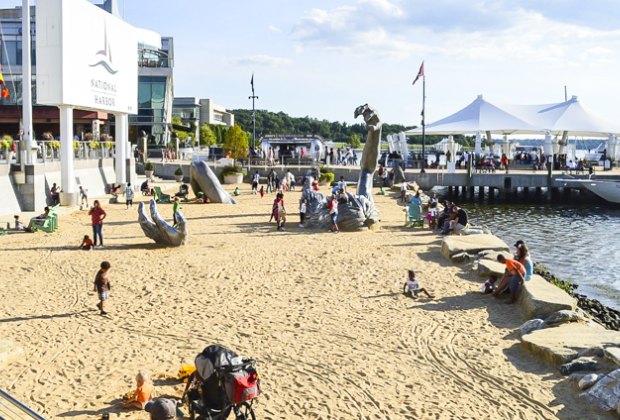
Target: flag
<point>5,92</point>
<point>252,83</point>
<point>420,73</point>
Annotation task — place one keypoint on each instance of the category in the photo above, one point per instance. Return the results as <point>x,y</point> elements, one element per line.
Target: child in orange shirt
<point>142,394</point>
<point>87,243</point>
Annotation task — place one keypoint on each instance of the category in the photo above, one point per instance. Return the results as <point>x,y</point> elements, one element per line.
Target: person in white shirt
<point>412,287</point>
<point>342,184</point>
<point>255,181</point>
<point>128,196</point>
<point>303,207</point>
<point>290,179</point>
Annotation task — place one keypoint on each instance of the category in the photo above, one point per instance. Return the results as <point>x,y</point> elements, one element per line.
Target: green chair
<point>161,197</point>
<point>47,226</point>
<point>413,216</point>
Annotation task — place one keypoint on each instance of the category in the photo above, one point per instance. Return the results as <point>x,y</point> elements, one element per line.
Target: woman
<point>523,256</point>
<point>97,214</point>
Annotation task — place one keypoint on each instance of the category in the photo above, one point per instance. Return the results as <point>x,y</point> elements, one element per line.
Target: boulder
<point>487,267</point>
<point>460,258</point>
<point>531,325</point>
<point>471,244</point>
<point>562,344</point>
<point>605,393</point>
<point>588,380</point>
<point>563,316</point>
<point>489,254</point>
<point>613,354</point>
<point>538,298</point>
<point>579,365</point>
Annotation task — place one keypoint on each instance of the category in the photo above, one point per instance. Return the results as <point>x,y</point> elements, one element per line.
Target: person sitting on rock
<point>513,278</point>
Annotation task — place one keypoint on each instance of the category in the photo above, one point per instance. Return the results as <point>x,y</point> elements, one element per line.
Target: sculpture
<point>203,179</point>
<point>159,230</point>
<point>355,210</point>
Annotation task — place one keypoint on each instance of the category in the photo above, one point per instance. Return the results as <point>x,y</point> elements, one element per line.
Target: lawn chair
<point>413,216</point>
<point>161,197</point>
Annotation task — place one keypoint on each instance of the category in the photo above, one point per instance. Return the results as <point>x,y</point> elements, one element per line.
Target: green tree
<point>236,143</point>
<point>207,136</point>
<point>354,141</point>
<point>182,135</point>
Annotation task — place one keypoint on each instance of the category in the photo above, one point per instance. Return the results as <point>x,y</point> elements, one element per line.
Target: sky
<point>323,58</point>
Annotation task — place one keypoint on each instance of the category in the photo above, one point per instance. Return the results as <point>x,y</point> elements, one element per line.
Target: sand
<point>322,314</point>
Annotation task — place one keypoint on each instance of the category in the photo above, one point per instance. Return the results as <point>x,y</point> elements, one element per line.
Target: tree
<point>354,141</point>
<point>236,143</point>
<point>182,135</point>
<point>207,136</point>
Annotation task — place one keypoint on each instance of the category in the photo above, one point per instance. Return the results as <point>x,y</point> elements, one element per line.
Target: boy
<point>102,285</point>
<point>489,285</point>
<point>412,287</point>
<point>302,212</point>
<point>176,206</point>
<point>128,196</point>
<point>514,276</point>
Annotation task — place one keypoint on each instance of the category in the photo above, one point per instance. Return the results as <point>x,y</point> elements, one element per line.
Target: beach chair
<point>161,197</point>
<point>10,408</point>
<point>413,216</point>
<point>47,226</point>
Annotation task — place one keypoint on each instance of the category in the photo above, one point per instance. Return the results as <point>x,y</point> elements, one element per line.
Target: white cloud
<point>275,29</point>
<point>384,6</point>
<point>263,60</point>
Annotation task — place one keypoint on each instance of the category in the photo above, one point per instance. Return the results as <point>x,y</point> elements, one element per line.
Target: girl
<point>412,287</point>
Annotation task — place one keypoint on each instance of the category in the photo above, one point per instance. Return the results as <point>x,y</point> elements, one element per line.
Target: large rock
<point>471,244</point>
<point>563,317</point>
<point>488,267</point>
<point>564,343</point>
<point>539,298</point>
<point>613,354</point>
<point>605,394</point>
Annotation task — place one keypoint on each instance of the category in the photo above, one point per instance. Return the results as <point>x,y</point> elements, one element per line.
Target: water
<point>576,243</point>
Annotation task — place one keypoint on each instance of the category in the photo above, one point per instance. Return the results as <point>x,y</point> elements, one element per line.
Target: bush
<point>231,170</point>
<point>179,171</point>
<point>148,166</point>
<point>326,177</point>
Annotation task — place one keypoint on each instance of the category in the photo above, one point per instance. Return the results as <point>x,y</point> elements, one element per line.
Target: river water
<point>577,243</point>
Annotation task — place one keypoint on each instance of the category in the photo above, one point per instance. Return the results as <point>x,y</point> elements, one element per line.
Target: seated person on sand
<point>513,278</point>
<point>18,224</point>
<point>38,220</point>
<point>459,222</point>
<point>146,188</point>
<point>183,191</point>
<point>489,285</point>
<point>87,243</point>
<point>142,394</point>
<point>55,193</point>
<point>412,286</point>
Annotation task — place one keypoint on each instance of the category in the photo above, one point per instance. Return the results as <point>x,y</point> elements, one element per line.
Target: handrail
<point>27,410</point>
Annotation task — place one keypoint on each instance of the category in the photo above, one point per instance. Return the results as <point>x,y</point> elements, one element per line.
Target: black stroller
<point>223,382</point>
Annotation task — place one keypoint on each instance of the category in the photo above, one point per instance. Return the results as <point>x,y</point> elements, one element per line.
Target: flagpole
<point>423,124</point>
<point>253,97</point>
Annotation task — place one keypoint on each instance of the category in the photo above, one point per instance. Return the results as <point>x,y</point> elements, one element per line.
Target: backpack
<point>241,385</point>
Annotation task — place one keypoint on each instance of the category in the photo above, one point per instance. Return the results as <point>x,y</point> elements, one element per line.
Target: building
<point>195,112</point>
<point>155,87</point>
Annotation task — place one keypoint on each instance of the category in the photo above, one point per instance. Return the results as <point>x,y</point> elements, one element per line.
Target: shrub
<point>326,177</point>
<point>179,171</point>
<point>94,144</point>
<point>148,166</point>
<point>231,170</point>
<point>55,144</point>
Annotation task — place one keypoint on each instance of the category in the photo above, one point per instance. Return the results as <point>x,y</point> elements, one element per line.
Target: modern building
<point>195,112</point>
<point>155,57</point>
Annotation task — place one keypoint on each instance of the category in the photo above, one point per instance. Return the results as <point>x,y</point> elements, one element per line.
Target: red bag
<point>242,385</point>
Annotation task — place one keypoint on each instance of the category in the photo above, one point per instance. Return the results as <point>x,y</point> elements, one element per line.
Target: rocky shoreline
<point>602,314</point>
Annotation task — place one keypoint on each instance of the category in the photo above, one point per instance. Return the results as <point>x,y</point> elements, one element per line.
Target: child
<point>87,243</point>
<point>431,216</point>
<point>412,287</point>
<point>102,285</point>
<point>83,198</point>
<point>142,394</point>
<point>489,285</point>
<point>18,224</point>
<point>302,212</point>
<point>128,196</point>
<point>262,191</point>
<point>176,206</point>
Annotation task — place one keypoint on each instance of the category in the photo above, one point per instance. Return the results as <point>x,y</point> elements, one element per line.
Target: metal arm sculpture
<point>203,179</point>
<point>161,231</point>
<point>357,210</point>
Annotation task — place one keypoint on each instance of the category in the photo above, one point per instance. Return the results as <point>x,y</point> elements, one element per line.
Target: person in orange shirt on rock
<point>142,394</point>
<point>513,277</point>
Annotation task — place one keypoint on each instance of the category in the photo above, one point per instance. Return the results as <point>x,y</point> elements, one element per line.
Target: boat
<point>606,189</point>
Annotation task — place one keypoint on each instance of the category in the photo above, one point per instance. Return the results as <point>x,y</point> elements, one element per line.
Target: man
<point>460,220</point>
<point>162,409</point>
<point>342,184</point>
<point>255,181</point>
<point>514,277</point>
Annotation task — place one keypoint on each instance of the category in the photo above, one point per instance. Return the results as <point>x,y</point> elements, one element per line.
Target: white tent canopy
<point>556,118</point>
<point>478,116</point>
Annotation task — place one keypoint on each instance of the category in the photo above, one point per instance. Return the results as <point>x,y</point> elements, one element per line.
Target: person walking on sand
<point>102,285</point>
<point>412,286</point>
<point>176,206</point>
<point>128,196</point>
<point>97,214</point>
<point>83,198</point>
<point>333,213</point>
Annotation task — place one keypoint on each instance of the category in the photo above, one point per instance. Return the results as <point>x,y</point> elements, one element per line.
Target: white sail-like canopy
<point>479,116</point>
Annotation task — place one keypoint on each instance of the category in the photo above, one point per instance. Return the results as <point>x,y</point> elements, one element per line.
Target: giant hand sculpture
<point>159,230</point>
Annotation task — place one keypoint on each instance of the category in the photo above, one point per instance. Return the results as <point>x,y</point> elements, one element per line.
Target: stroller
<point>223,382</point>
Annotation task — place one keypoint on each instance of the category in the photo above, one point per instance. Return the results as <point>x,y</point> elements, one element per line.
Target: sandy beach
<point>323,315</point>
